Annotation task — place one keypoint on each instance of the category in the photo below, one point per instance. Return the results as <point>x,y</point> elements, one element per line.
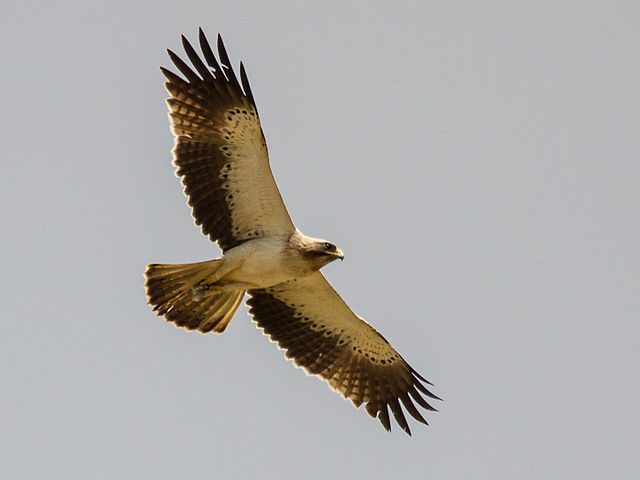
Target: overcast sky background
<point>478,162</point>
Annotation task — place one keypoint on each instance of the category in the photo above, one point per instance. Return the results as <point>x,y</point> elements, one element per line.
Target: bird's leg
<point>202,288</point>
<point>214,281</point>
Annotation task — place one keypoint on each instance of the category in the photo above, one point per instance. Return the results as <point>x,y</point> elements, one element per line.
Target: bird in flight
<point>221,156</point>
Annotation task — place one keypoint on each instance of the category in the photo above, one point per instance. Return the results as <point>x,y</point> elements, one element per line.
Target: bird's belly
<point>263,266</point>
<point>254,274</point>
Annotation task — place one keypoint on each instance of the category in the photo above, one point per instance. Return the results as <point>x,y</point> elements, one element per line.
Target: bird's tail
<point>179,294</point>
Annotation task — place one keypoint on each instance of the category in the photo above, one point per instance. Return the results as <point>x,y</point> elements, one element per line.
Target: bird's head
<point>319,251</point>
<point>328,249</point>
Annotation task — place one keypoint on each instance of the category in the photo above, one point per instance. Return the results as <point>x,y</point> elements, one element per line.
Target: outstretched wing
<point>318,330</point>
<point>220,152</point>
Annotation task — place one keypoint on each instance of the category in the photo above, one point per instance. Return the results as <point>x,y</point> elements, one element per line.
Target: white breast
<point>264,262</point>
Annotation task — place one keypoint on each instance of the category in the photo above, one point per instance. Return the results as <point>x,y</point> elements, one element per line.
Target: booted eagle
<point>221,156</point>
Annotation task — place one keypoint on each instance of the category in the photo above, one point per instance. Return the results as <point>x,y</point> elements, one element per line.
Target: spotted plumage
<point>221,156</point>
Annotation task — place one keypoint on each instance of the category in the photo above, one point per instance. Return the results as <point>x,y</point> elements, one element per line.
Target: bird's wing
<point>220,152</point>
<point>309,320</point>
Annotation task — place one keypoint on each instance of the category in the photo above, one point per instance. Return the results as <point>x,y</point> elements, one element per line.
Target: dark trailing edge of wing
<point>353,377</point>
<point>200,94</point>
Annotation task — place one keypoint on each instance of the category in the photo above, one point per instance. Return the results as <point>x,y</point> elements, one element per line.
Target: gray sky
<point>476,161</point>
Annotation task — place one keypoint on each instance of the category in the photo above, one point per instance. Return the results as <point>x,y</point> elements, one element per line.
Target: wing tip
<point>221,67</point>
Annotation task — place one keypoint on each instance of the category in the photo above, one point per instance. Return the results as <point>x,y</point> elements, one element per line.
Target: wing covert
<point>309,320</point>
<point>220,152</point>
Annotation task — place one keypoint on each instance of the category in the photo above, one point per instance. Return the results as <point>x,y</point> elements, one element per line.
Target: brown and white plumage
<point>220,151</point>
<point>309,320</point>
<point>221,156</point>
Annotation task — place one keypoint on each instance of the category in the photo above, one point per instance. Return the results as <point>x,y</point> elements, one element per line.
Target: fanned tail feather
<point>175,292</point>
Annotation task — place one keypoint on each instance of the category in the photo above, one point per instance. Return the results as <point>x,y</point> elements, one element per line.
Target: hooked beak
<point>339,254</point>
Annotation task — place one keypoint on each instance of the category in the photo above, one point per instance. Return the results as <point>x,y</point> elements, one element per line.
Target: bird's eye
<point>330,247</point>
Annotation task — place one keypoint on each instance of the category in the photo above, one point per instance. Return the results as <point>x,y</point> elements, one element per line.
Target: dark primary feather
<point>207,149</point>
<point>207,52</point>
<point>204,72</point>
<point>320,351</point>
<point>245,85</point>
<point>226,64</point>
<point>184,68</point>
